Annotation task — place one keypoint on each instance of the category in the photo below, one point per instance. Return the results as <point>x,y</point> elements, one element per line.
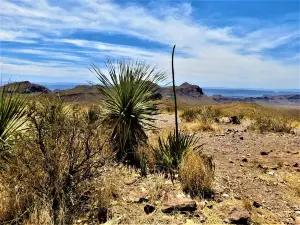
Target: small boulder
<point>225,195</point>
<point>225,120</point>
<point>256,204</point>
<point>296,165</point>
<point>241,138</point>
<point>179,204</point>
<point>264,153</point>
<point>137,197</point>
<point>235,120</point>
<point>130,180</point>
<point>238,215</point>
<point>210,206</point>
<point>245,160</point>
<point>271,174</point>
<point>200,216</point>
<point>149,209</point>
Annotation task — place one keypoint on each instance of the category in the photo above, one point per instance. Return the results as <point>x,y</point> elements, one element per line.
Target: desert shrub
<point>170,151</point>
<point>271,125</point>
<point>102,197</point>
<point>189,115</point>
<point>127,89</point>
<point>209,113</point>
<point>241,116</point>
<point>12,115</point>
<point>52,165</point>
<point>196,174</point>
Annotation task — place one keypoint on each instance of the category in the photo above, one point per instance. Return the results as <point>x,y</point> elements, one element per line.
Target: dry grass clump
<point>102,198</point>
<point>271,125</point>
<point>293,182</point>
<point>170,151</point>
<point>196,174</point>
<point>201,126</point>
<point>51,169</point>
<point>189,115</point>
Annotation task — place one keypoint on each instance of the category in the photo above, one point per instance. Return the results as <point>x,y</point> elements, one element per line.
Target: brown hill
<point>25,87</point>
<point>186,93</point>
<point>82,93</point>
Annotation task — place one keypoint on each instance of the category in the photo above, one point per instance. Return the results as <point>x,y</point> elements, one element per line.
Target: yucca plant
<point>12,113</point>
<point>170,151</point>
<point>127,89</point>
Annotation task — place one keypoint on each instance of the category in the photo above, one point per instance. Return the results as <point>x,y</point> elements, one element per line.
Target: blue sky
<point>236,44</point>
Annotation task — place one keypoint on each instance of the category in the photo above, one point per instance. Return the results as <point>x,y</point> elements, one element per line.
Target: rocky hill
<point>25,87</point>
<point>82,93</point>
<point>186,92</point>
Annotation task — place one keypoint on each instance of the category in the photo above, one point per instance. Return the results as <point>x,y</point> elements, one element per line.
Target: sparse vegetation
<point>271,125</point>
<point>61,171</point>
<point>127,89</point>
<point>206,113</point>
<point>196,174</point>
<point>200,126</point>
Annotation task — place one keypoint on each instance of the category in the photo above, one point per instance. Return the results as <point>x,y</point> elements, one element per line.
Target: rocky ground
<point>257,181</point>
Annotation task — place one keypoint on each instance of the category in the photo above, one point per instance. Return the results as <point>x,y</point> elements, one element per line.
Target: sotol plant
<point>127,89</point>
<point>12,113</point>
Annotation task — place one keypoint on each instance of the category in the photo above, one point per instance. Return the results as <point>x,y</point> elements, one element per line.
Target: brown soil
<point>273,180</point>
<point>266,184</point>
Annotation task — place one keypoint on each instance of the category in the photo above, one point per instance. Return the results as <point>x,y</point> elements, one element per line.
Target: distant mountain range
<point>209,91</point>
<point>187,93</point>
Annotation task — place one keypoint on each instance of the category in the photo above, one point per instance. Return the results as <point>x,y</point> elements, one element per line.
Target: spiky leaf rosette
<point>127,88</point>
<point>12,113</point>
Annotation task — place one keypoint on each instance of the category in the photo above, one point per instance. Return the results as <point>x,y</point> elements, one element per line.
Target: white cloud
<point>213,57</point>
<point>49,54</point>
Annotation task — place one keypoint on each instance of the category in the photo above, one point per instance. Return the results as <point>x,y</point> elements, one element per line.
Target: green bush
<point>127,89</point>
<point>208,113</point>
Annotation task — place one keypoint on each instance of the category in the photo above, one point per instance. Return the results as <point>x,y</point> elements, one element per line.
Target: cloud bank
<point>55,42</point>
